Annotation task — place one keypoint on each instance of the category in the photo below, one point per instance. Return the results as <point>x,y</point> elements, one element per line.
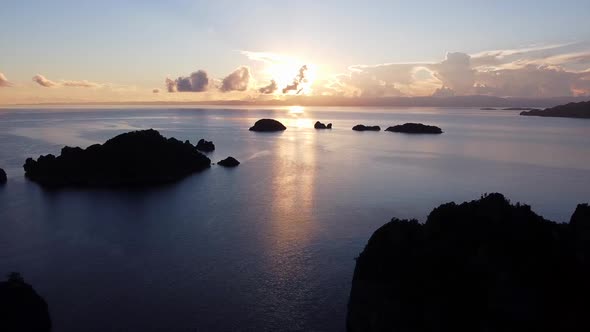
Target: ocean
<point>271,244</point>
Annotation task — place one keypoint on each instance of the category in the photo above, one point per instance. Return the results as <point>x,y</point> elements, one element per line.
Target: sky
<point>180,50</point>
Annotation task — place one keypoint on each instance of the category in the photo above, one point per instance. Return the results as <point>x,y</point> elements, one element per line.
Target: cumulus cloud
<point>443,92</point>
<point>455,72</point>
<point>4,81</point>
<point>196,82</point>
<point>268,89</point>
<point>299,78</point>
<point>532,81</point>
<point>170,85</point>
<point>238,80</point>
<point>542,71</point>
<point>45,82</point>
<point>367,84</point>
<point>42,81</point>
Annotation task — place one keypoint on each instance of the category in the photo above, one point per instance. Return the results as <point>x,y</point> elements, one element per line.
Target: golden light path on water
<point>296,117</point>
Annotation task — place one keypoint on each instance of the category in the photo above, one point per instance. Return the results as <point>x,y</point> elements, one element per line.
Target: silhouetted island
<point>319,125</point>
<point>229,162</point>
<point>136,158</point>
<point>267,125</point>
<point>484,265</point>
<point>205,146</point>
<point>21,308</point>
<point>488,109</point>
<point>579,110</point>
<point>415,128</point>
<point>361,127</point>
<point>3,177</point>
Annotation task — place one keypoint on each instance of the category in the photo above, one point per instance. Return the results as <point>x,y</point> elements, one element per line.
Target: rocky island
<point>361,127</point>
<point>268,125</point>
<point>484,265</point>
<point>135,158</point>
<point>579,110</point>
<point>21,308</point>
<point>3,177</point>
<point>229,162</point>
<point>205,146</point>
<point>319,125</point>
<point>415,128</point>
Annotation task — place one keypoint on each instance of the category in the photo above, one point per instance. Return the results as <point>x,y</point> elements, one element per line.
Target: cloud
<point>366,84</point>
<point>41,80</point>
<point>45,82</point>
<point>4,81</point>
<point>196,82</point>
<point>156,91</point>
<point>170,85</point>
<point>237,80</point>
<point>455,72</point>
<point>533,81</point>
<point>540,71</point>
<point>268,89</point>
<point>268,57</point>
<point>443,92</point>
<point>81,84</point>
<point>299,78</point>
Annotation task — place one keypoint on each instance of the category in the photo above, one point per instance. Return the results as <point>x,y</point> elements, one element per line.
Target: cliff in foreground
<point>485,265</point>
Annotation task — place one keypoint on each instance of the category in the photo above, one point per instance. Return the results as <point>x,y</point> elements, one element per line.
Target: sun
<point>287,73</point>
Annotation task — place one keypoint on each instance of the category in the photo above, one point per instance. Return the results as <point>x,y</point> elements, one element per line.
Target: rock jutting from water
<point>135,158</point>
<point>205,146</point>
<point>229,162</point>
<point>267,125</point>
<point>319,125</point>
<point>361,127</point>
<point>3,177</point>
<point>415,128</point>
<point>484,265</point>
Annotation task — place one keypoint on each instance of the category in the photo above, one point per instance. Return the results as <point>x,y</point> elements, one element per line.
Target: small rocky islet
<point>484,265</point>
<point>319,125</point>
<point>415,128</point>
<point>137,158</point>
<point>267,125</point>
<point>229,162</point>
<point>361,127</point>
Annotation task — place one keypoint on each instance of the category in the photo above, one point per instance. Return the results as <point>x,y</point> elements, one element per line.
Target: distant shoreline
<point>324,101</point>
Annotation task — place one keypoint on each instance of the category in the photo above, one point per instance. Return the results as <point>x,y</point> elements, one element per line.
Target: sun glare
<point>296,110</point>
<point>285,73</point>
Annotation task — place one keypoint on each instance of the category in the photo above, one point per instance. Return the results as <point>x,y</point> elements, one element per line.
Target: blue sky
<point>142,42</point>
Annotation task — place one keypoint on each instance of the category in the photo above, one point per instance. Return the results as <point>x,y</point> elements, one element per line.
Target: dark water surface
<point>271,244</point>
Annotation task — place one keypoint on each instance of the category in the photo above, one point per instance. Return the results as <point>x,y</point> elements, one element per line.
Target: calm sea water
<point>271,244</point>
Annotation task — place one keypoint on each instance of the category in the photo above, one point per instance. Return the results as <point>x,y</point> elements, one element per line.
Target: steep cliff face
<point>484,265</point>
